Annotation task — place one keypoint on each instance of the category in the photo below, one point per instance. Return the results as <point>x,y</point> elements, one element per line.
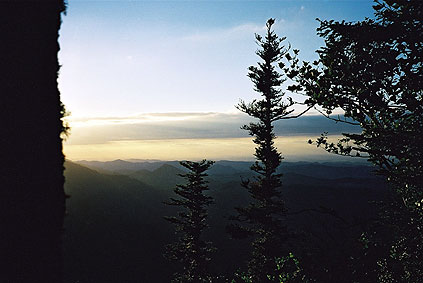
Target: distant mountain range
<point>327,170</point>
<point>115,230</point>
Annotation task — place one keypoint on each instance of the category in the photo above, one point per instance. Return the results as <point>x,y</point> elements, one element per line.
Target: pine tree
<point>191,250</point>
<point>263,218</point>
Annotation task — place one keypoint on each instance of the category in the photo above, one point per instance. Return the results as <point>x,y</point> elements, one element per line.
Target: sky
<point>160,79</point>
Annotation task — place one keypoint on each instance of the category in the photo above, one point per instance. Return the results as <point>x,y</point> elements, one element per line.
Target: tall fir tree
<point>191,251</point>
<point>263,218</point>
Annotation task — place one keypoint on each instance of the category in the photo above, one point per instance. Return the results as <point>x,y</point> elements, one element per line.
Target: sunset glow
<point>293,149</point>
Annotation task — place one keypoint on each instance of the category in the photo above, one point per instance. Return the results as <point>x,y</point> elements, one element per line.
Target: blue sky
<point>125,59</point>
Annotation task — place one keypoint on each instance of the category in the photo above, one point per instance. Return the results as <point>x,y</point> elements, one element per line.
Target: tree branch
<point>336,120</point>
<point>298,115</point>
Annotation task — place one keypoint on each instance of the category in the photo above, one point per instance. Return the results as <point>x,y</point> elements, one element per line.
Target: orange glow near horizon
<point>293,148</point>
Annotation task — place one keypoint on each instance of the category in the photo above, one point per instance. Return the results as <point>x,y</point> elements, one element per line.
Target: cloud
<point>143,118</point>
<point>243,31</point>
<point>192,125</point>
<point>235,32</point>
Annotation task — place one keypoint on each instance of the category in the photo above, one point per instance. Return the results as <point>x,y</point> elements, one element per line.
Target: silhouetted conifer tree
<point>32,200</point>
<point>191,250</point>
<point>263,218</point>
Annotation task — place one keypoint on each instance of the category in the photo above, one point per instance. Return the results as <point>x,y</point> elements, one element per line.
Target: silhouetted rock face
<point>31,177</point>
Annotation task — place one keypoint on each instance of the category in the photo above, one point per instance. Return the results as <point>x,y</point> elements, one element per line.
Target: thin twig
<point>298,115</point>
<point>336,120</point>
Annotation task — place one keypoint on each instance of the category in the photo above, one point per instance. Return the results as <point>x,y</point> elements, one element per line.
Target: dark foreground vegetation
<point>115,231</point>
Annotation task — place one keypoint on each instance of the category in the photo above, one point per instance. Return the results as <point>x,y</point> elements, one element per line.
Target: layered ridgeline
<point>115,231</point>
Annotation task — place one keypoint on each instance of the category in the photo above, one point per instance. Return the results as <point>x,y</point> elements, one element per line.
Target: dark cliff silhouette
<point>32,200</point>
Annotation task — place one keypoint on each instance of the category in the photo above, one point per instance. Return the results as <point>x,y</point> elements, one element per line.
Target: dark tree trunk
<point>32,201</point>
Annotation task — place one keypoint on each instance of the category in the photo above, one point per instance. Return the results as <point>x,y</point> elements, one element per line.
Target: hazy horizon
<point>134,160</point>
<point>240,149</point>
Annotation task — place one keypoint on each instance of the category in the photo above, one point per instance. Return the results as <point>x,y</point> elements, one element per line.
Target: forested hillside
<point>115,231</point>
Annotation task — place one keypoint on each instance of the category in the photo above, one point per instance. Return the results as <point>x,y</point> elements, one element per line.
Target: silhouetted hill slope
<point>120,166</point>
<point>326,217</point>
<point>165,177</point>
<point>221,169</point>
<point>114,229</point>
<point>327,170</point>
